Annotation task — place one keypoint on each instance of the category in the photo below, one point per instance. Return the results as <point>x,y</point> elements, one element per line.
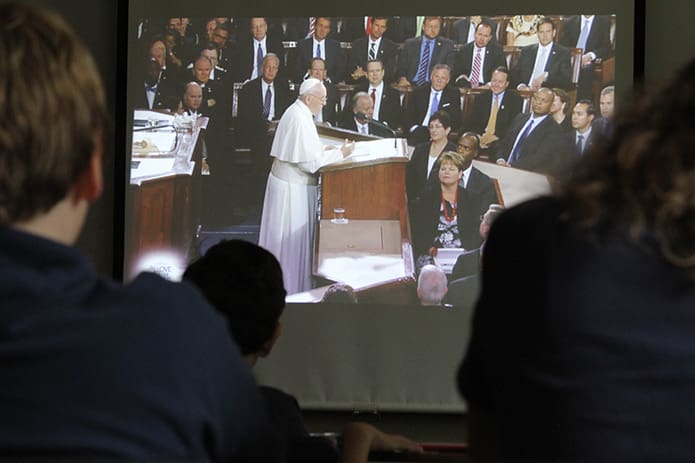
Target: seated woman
<point>521,30</point>
<point>421,167</point>
<point>559,109</point>
<point>446,215</point>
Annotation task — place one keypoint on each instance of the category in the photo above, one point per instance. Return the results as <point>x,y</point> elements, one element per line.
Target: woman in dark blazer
<point>446,215</point>
<point>423,163</point>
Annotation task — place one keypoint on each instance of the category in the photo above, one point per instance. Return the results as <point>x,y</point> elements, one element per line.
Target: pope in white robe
<point>291,194</point>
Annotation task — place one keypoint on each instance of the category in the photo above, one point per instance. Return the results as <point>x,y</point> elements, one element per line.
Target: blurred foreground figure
<point>582,340</point>
<point>90,369</point>
<point>245,283</point>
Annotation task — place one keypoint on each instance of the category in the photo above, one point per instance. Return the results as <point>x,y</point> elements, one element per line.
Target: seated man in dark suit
<point>582,137</point>
<point>476,60</point>
<point>420,54</point>
<point>371,47</point>
<point>591,33</point>
<point>545,64</point>
<point>214,95</point>
<point>329,112</point>
<point>319,45</point>
<point>464,29</point>
<point>387,100</point>
<point>192,99</point>
<point>427,99</point>
<point>473,180</point>
<point>535,141</point>
<point>493,111</point>
<point>217,73</point>
<point>261,100</point>
<point>244,282</point>
<point>361,105</point>
<point>604,124</point>
<point>250,51</point>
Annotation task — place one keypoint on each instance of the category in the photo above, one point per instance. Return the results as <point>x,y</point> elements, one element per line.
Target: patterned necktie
<point>372,51</point>
<point>318,51</point>
<point>266,103</point>
<point>421,76</point>
<point>373,96</point>
<point>312,26</point>
<point>492,120</point>
<point>259,60</point>
<point>583,35</point>
<point>475,73</point>
<point>580,144</point>
<point>517,148</point>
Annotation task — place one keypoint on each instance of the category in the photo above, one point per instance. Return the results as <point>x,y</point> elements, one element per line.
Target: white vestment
<point>289,207</point>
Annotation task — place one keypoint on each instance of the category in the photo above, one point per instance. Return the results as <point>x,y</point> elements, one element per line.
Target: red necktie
<point>373,95</point>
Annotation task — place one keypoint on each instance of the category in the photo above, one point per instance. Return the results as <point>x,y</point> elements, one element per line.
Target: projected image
<point>366,153</point>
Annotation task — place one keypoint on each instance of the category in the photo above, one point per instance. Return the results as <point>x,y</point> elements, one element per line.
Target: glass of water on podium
<point>339,216</point>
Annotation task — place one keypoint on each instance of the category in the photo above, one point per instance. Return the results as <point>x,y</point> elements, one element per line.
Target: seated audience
<point>192,99</point>
<point>422,167</point>
<point>252,49</point>
<point>560,109</point>
<point>535,141</point>
<point>244,282</point>
<point>463,30</point>
<point>420,55</point>
<point>373,46</point>
<point>91,369</point>
<point>522,30</point>
<point>604,124</point>
<point>446,215</point>
<point>340,293</point>
<point>387,100</point>
<point>494,110</point>
<point>592,34</point>
<point>319,45</point>
<point>545,64</point>
<point>357,119</point>
<point>427,99</point>
<point>477,59</point>
<point>329,113</point>
<point>474,180</point>
<point>582,137</point>
<point>586,353</point>
<point>431,285</point>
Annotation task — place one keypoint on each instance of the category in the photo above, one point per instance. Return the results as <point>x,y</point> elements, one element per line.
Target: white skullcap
<point>307,85</point>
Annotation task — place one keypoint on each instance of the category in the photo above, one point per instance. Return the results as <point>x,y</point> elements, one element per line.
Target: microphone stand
<point>363,117</point>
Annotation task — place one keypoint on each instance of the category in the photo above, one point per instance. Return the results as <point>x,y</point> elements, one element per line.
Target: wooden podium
<point>163,206</point>
<point>373,251</point>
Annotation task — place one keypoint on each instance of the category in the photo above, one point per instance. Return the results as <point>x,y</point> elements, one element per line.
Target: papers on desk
<point>446,258</point>
<point>153,143</point>
<point>379,149</point>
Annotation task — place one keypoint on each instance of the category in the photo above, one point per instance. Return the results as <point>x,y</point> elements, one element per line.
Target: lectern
<point>372,252</point>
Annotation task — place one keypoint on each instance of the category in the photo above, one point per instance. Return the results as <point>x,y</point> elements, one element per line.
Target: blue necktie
<point>421,76</point>
<point>583,35</point>
<point>517,148</point>
<point>580,144</point>
<point>266,103</point>
<point>318,51</point>
<point>435,104</point>
<point>259,60</point>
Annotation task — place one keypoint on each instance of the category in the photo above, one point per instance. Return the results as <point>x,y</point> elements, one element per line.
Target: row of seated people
<point>407,64</point>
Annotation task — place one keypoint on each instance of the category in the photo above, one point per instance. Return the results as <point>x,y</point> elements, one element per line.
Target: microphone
<point>362,117</point>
